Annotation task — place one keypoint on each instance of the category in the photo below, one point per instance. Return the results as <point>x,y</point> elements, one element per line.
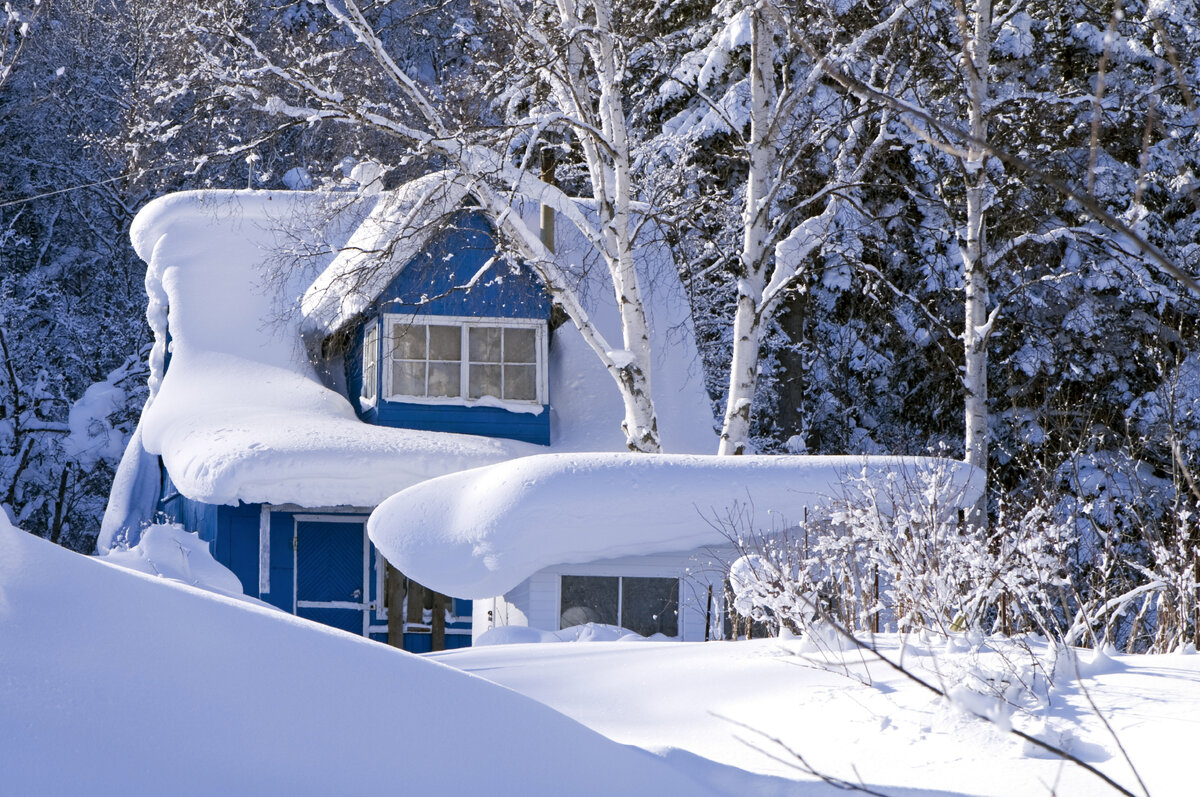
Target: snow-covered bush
<point>897,556</point>
<point>1087,564</point>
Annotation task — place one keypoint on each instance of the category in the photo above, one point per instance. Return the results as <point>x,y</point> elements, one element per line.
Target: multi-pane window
<point>426,360</point>
<point>466,359</point>
<point>644,605</point>
<point>503,362</point>
<point>370,363</point>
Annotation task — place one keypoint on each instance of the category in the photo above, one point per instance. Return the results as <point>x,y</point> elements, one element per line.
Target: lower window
<point>643,605</point>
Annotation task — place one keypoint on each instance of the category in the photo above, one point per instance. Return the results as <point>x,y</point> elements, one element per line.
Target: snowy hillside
<point>774,707</point>
<point>118,682</point>
<point>114,682</point>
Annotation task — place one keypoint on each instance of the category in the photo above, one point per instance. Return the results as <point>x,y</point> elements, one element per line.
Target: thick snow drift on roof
<point>480,533</point>
<point>241,413</point>
<point>115,682</point>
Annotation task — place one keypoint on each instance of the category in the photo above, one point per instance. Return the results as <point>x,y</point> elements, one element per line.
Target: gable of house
<point>458,341</point>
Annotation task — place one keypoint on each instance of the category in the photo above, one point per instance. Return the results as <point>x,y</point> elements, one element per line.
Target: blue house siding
<point>486,421</point>
<point>236,545</point>
<point>232,533</point>
<point>430,285</point>
<point>432,282</point>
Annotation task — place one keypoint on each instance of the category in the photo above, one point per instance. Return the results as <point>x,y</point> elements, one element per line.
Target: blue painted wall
<point>426,287</point>
<point>232,535</point>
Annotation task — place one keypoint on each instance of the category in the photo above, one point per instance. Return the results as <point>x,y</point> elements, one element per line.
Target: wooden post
<point>416,603</point>
<point>394,590</point>
<point>708,615</point>
<point>439,621</point>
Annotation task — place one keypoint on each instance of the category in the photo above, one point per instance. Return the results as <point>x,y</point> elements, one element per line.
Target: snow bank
<point>168,551</point>
<point>112,682</point>
<point>585,632</point>
<point>479,533</point>
<point>750,704</point>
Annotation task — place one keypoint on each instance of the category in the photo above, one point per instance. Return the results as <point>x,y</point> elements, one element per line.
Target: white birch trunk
<point>743,370</point>
<point>609,169</point>
<point>976,327</point>
<point>747,324</point>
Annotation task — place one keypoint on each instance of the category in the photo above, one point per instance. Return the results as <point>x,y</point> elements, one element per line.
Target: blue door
<point>331,571</point>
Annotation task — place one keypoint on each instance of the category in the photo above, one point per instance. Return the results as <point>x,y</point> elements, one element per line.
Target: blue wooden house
<point>310,361</point>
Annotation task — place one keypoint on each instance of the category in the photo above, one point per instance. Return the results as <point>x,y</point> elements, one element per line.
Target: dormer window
<point>455,360</point>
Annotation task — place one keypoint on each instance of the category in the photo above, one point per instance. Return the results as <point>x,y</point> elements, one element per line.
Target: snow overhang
<point>479,533</point>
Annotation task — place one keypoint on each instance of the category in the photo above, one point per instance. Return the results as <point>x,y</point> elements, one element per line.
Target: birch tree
<point>754,82</point>
<point>573,55</point>
<point>976,45</point>
<point>1048,208</point>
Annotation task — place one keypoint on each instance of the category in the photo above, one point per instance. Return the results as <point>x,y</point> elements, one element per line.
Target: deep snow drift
<point>479,533</point>
<point>755,705</point>
<point>171,552</point>
<point>114,682</point>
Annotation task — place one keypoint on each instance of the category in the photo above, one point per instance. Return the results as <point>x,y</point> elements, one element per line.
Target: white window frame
<point>370,356</point>
<point>620,577</point>
<point>465,323</point>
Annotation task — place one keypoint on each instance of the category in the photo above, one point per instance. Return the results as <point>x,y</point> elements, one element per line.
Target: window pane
<point>408,379</point>
<point>485,344</point>
<point>445,343</point>
<point>368,385</point>
<point>588,599</point>
<point>520,382</point>
<point>370,358</point>
<point>650,605</point>
<point>408,341</point>
<point>484,380</point>
<point>520,345</point>
<point>445,379</point>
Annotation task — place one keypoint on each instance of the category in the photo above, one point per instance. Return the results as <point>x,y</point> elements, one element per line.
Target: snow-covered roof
<point>241,414</point>
<point>479,533</point>
<point>395,231</point>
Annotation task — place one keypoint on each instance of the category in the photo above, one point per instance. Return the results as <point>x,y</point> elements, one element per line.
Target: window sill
<point>525,407</point>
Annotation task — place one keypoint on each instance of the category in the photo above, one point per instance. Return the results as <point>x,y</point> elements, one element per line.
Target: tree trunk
<point>56,525</point>
<point>975,277</point>
<point>747,331</point>
<point>743,376</point>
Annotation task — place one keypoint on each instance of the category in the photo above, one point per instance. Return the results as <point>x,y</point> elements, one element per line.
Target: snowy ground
<point>119,682</point>
<point>114,682</point>
<point>739,703</point>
